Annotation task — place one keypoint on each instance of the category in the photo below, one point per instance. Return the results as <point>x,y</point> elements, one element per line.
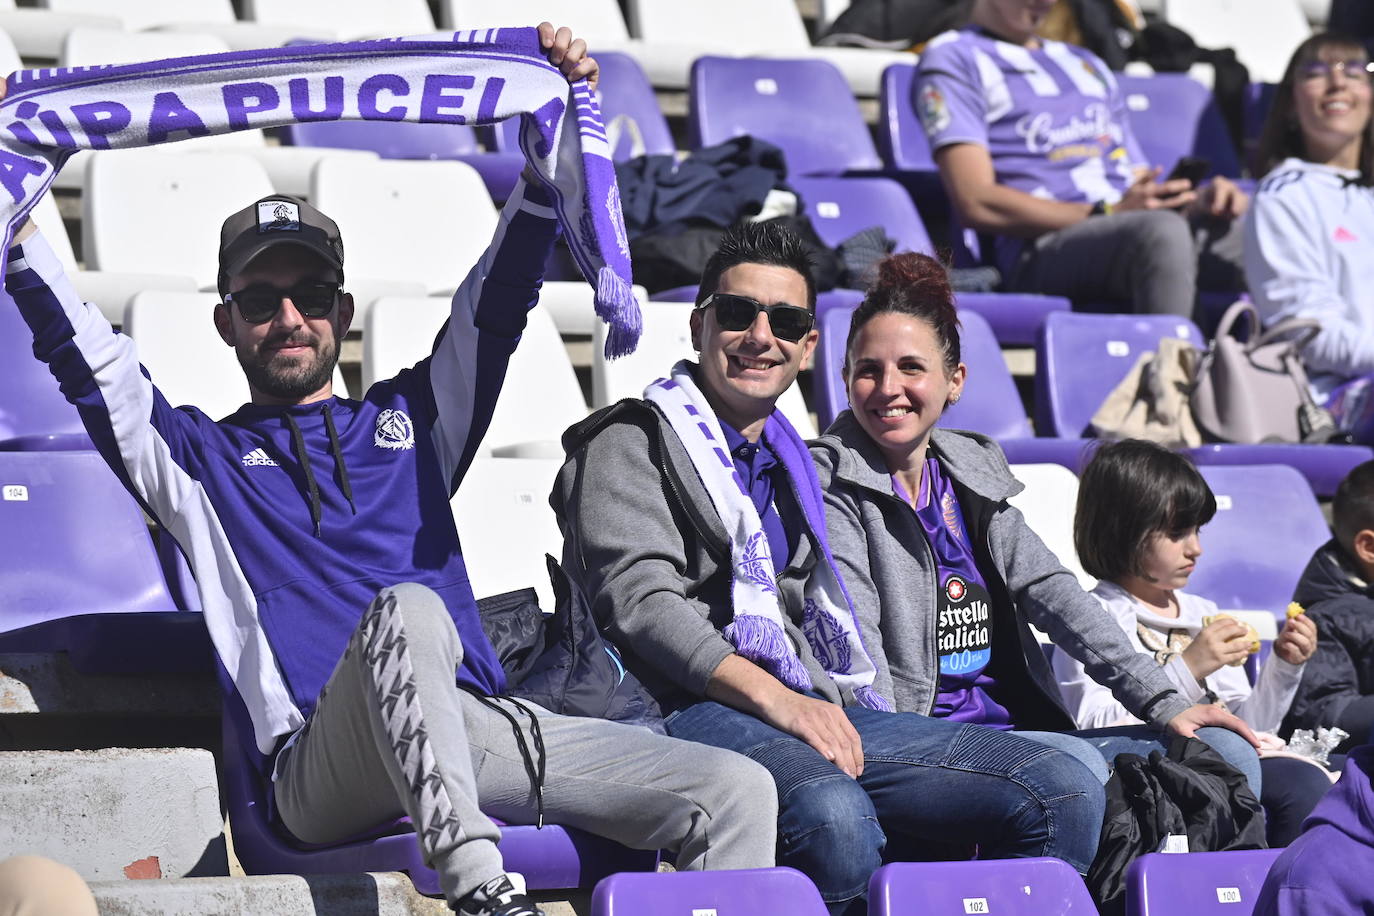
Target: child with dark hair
<point>1136,529</point>
<point>946,577</point>
<point>1336,588</point>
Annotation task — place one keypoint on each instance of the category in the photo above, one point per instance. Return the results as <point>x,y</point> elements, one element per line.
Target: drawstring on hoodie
<point>311,485</point>
<point>534,771</point>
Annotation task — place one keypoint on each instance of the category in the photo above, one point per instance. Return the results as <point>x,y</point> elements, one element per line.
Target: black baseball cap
<point>277,219</point>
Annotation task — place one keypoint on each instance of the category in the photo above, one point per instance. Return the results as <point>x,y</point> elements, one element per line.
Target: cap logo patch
<point>278,216</point>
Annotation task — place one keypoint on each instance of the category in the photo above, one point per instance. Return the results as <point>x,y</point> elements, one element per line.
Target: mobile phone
<point>1193,168</point>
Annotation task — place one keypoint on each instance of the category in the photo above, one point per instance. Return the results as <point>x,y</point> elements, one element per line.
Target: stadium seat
<point>747,892</point>
<point>769,28</point>
<point>599,22</point>
<point>1173,115</point>
<point>39,33</point>
<point>1263,33</point>
<point>1198,883</point>
<point>204,16</point>
<point>506,525</point>
<point>1080,358</point>
<point>666,339</point>
<point>1004,887</point>
<point>406,224</point>
<point>342,19</point>
<point>1048,502</point>
<point>840,207</point>
<point>551,857</point>
<point>34,416</point>
<point>901,138</point>
<point>184,355</point>
<point>1268,525</point>
<point>990,403</point>
<point>801,106</point>
<point>540,397</point>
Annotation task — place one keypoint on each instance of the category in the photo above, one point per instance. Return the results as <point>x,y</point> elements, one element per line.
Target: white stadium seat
<point>1048,503</point>
<point>39,33</point>
<point>1263,33</point>
<point>343,19</point>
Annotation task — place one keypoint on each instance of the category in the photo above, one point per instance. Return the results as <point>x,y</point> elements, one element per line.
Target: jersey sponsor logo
<point>394,430</point>
<point>955,588</point>
<point>932,109</point>
<point>964,630</point>
<point>1089,134</point>
<point>257,458</point>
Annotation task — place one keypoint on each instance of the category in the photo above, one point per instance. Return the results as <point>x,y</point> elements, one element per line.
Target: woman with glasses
<point>1309,229</point>
<point>946,576</point>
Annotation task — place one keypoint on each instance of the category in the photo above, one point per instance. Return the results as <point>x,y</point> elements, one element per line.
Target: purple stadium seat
<point>1267,526</point>
<point>747,892</point>
<point>804,107</point>
<point>1197,883</point>
<point>1174,115</point>
<point>33,413</point>
<point>404,140</point>
<point>1003,887</point>
<point>1081,357</point>
<point>901,138</point>
<point>550,858</point>
<point>1258,99</point>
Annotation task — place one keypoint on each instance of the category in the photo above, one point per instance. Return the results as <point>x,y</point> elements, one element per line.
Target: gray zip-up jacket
<point>887,564</point>
<point>643,540</point>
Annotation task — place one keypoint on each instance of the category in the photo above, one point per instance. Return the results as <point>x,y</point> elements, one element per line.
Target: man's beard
<point>290,378</point>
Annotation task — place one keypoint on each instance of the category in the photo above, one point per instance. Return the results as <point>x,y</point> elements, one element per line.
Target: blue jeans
<point>936,781</point>
<point>1142,739</point>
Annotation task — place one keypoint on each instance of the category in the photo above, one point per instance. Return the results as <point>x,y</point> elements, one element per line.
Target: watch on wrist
<point>1102,208</point>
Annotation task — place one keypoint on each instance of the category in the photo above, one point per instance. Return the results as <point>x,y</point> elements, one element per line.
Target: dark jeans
<point>1292,789</point>
<point>939,782</point>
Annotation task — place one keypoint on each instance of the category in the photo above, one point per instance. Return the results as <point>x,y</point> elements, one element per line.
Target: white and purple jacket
<point>285,567</point>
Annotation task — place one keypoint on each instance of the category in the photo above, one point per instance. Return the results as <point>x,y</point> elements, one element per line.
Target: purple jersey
<point>1052,118</point>
<point>964,627</point>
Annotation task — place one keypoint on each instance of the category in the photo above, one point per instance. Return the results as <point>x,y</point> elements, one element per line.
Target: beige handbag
<point>1151,402</point>
<point>1255,390</point>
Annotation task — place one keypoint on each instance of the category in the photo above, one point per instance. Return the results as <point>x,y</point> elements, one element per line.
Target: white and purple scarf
<point>758,631</point>
<point>469,78</point>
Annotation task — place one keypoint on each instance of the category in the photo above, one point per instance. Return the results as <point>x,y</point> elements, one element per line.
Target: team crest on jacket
<point>394,430</point>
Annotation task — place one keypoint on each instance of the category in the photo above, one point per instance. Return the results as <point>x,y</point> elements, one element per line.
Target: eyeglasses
<point>1357,71</point>
<point>737,313</point>
<point>260,302</point>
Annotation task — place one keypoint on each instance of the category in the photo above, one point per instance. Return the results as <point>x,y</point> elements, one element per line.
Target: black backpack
<point>1190,792</point>
<point>560,661</point>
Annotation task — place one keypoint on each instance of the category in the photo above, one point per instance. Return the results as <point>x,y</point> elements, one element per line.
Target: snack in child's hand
<point>1295,609</point>
<point>1250,632</point>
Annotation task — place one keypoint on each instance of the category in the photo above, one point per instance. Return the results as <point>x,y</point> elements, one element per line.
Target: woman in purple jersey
<point>945,575</point>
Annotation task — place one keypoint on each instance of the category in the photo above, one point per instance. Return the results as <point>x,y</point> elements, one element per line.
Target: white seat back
<point>1264,33</point>
<point>87,47</point>
<point>420,221</point>
<point>145,14</point>
<point>1048,503</point>
<point>159,211</point>
<point>596,21</point>
<point>667,338</point>
<point>347,18</point>
<point>506,525</point>
<point>725,26</point>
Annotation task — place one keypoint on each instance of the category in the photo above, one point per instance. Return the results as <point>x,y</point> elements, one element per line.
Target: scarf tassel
<point>867,696</point>
<point>763,642</point>
<point>616,305</point>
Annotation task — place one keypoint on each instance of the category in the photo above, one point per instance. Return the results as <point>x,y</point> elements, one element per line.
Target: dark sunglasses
<point>260,302</point>
<point>737,313</point>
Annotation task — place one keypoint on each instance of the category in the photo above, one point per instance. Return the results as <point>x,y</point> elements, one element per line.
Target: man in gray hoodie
<point>724,600</point>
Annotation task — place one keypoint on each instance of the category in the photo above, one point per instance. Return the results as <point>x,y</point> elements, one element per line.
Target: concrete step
<point>117,813</point>
<point>48,683</point>
<point>380,894</point>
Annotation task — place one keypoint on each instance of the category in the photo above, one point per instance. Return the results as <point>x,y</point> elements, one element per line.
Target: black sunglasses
<point>260,302</point>
<point>737,313</point>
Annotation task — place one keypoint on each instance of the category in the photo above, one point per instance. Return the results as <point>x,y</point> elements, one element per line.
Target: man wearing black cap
<point>301,512</point>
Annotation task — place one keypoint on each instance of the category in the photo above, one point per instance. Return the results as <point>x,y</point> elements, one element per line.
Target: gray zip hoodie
<point>882,553</point>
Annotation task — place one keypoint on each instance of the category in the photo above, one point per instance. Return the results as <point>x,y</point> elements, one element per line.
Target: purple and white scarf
<point>471,78</point>
<point>758,631</point>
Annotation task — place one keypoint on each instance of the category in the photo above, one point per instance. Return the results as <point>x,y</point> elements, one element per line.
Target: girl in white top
<point>1311,223</point>
<point>1136,529</point>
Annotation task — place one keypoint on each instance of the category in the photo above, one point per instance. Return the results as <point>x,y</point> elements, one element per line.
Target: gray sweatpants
<point>1153,259</point>
<point>393,735</point>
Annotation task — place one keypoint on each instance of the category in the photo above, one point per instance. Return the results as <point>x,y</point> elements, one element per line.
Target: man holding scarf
<point>694,521</point>
<point>301,512</point>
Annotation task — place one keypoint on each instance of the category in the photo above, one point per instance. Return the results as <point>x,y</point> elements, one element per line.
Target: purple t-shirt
<point>964,622</point>
<point>1052,118</point>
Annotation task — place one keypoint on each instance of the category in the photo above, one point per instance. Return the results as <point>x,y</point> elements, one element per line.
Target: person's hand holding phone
<point>1148,193</point>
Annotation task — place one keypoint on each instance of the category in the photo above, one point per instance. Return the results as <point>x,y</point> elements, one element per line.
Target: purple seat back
<point>1174,115</point>
<point>1080,358</point>
<point>72,542</point>
<point>1268,525</point>
<point>827,384</point>
<point>388,139</point>
<point>901,138</point>
<point>840,207</point>
<point>747,892</point>
<point>1005,887</point>
<point>33,413</point>
<point>804,107</point>
<point>1198,883</point>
